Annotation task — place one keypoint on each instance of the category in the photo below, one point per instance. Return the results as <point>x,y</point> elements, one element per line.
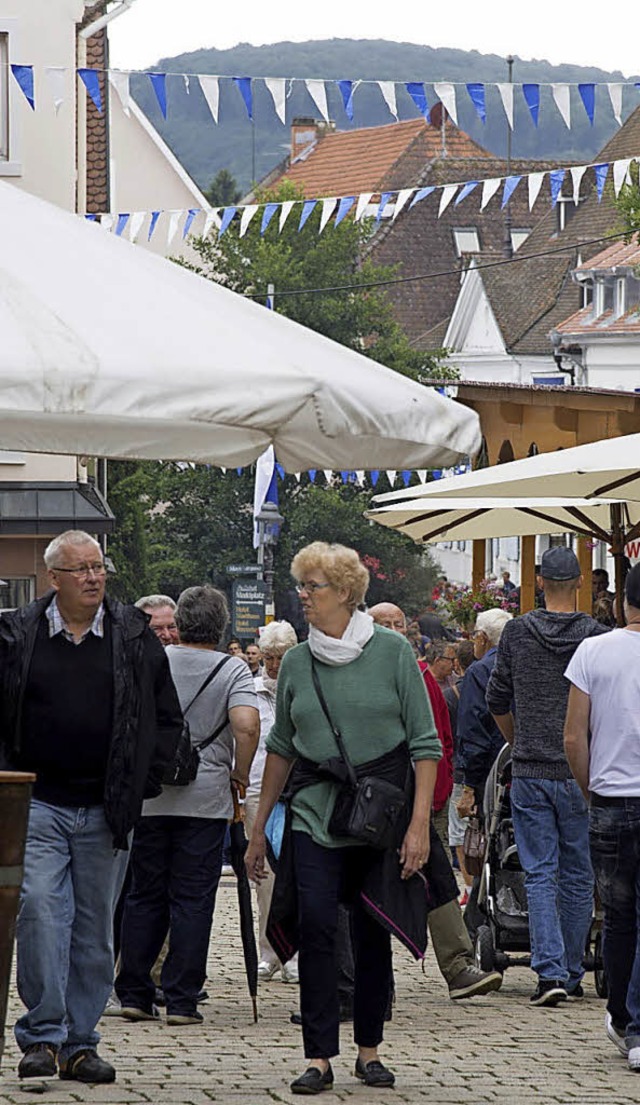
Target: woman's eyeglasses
<point>310,587</point>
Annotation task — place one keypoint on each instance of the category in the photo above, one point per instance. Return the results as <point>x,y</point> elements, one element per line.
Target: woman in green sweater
<point>377,699</point>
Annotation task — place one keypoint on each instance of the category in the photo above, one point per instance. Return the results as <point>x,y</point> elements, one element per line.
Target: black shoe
<point>576,994</point>
<point>549,991</point>
<point>313,1081</point>
<point>38,1061</point>
<point>87,1066</point>
<point>296,1018</point>
<point>374,1073</point>
<point>202,997</point>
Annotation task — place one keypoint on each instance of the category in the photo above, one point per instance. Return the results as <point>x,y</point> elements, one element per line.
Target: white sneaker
<point>633,1058</point>
<point>266,971</point>
<point>113,1007</point>
<point>619,1041</point>
<point>290,973</point>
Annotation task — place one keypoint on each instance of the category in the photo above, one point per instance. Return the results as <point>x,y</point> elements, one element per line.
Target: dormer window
<point>621,297</point>
<point>466,239</point>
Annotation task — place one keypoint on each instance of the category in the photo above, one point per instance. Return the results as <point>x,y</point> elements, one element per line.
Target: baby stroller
<point>502,940</point>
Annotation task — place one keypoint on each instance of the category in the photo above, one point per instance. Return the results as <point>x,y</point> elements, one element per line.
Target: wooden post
<point>478,571</point>
<point>585,557</point>
<point>528,575</point>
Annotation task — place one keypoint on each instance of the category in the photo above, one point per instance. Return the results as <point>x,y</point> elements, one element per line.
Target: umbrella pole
<point>617,550</point>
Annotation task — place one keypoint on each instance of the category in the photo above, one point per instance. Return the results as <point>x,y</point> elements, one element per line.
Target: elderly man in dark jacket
<point>88,704</point>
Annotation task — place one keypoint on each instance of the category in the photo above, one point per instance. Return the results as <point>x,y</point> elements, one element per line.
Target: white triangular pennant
<point>360,476</point>
<point>328,474</point>
<point>422,474</point>
<point>577,173</point>
<point>318,93</point>
<point>211,91</point>
<point>621,173</point>
<point>120,82</point>
<point>297,476</point>
<point>364,199</point>
<point>56,79</point>
<point>506,94</point>
<point>446,93</point>
<point>388,89</point>
<point>535,184</point>
<point>489,189</point>
<point>212,218</point>
<point>404,195</point>
<point>328,207</point>
<point>285,211</point>
<point>562,99</point>
<point>448,192</point>
<point>135,224</point>
<point>391,476</point>
<point>277,88</point>
<point>615,95</point>
<point>247,215</point>
<point>172,227</point>
<point>107,221</point>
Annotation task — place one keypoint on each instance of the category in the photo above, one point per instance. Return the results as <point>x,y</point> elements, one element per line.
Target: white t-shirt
<point>607,668</point>
<point>267,709</point>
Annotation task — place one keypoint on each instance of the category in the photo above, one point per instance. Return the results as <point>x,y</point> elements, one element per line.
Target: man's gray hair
<point>202,615</point>
<point>436,650</point>
<point>155,602</point>
<point>277,638</point>
<point>492,622</point>
<point>72,538</point>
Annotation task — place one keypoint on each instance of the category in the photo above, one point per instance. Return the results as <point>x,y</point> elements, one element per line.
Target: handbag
<point>474,846</point>
<point>183,769</point>
<point>370,810</point>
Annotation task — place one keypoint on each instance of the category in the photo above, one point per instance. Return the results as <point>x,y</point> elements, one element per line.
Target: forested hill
<point>235,144</point>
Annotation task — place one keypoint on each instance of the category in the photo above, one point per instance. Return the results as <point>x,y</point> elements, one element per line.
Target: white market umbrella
<point>108,350</point>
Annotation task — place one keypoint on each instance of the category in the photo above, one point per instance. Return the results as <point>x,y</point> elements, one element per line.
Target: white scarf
<point>342,650</point>
<point>269,684</point>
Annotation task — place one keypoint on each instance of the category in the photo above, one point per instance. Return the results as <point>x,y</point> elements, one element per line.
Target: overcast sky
<point>559,32</point>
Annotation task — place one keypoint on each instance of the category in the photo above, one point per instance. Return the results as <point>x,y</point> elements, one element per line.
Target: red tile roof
<point>583,323</point>
<point>618,255</point>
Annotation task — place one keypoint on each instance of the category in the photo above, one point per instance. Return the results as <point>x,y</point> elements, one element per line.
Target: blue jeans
<point>614,837</point>
<point>72,878</point>
<point>551,826</point>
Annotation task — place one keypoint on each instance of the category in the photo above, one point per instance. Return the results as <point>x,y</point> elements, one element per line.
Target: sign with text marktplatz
<point>248,611</point>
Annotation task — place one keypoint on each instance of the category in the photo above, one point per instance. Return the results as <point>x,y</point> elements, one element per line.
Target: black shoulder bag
<point>184,767</point>
<point>369,809</point>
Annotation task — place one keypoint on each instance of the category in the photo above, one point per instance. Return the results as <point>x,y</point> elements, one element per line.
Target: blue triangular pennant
<point>346,89</point>
<point>344,475</point>
<point>344,207</point>
<point>267,215</point>
<point>227,219</point>
<point>601,172</point>
<point>466,191</point>
<point>556,177</point>
<point>155,215</point>
<point>280,470</point>
<point>510,185</point>
<point>374,476</point>
<point>188,222</point>
<point>244,84</point>
<point>476,92</point>
<point>307,208</point>
<point>312,474</point>
<point>91,82</point>
<point>159,84</point>
<point>418,95</point>
<point>24,77</point>
<point>588,97</point>
<point>531,93</point>
<point>406,476</point>
<point>422,194</point>
<point>91,218</point>
<point>122,221</point>
<point>384,199</point>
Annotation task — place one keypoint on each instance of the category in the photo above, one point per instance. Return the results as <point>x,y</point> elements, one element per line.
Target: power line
<point>436,275</point>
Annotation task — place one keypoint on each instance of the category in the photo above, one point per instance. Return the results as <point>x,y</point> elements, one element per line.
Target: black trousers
<point>324,877</point>
<point>175,870</point>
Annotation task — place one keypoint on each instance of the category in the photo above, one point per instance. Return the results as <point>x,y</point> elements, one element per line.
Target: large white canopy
<point>107,350</point>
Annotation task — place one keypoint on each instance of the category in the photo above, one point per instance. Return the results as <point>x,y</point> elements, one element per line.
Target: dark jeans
<point>175,870</point>
<point>324,876</point>
<point>614,838</point>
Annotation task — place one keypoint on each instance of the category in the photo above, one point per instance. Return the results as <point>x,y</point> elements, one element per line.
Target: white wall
<point>613,364</point>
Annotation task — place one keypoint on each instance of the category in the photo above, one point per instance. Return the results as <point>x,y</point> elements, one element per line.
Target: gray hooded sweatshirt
<point>528,678</point>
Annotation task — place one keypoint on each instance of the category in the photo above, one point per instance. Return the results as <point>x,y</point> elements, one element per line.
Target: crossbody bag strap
<point>206,683</point>
<point>334,729</point>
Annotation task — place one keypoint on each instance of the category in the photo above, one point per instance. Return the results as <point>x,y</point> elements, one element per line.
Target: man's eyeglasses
<point>311,587</point>
<point>83,571</point>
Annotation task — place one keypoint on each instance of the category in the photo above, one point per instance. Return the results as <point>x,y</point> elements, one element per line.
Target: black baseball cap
<point>559,563</point>
<point>632,587</point>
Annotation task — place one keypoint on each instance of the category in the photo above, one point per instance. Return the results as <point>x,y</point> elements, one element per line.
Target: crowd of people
<point>375,737</point>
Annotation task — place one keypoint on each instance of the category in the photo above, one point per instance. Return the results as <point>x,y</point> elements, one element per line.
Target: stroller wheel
<point>484,949</point>
<point>599,977</point>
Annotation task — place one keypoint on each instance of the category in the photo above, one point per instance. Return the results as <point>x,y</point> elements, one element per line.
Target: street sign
<point>242,569</point>
<point>248,609</point>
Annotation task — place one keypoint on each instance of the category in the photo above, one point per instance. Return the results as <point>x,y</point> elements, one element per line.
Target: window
<point>4,96</point>
<point>16,592</point>
<point>9,103</point>
<point>621,297</point>
<point>518,237</point>
<point>467,239</point>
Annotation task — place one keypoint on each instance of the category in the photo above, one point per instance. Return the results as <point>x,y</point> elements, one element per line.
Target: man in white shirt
<point>602,743</point>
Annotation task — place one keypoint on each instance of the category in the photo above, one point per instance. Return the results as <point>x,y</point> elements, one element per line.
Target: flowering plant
<point>464,607</point>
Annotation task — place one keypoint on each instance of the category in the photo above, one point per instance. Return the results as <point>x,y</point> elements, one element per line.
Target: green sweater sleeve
<point>422,735</point>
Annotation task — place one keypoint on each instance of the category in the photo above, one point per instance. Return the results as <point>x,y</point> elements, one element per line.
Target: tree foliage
<point>223,190</point>
<point>628,204</point>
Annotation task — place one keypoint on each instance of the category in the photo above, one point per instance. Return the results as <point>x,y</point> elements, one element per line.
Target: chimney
<point>305,132</point>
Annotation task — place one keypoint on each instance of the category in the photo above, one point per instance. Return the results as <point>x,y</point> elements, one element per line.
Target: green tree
<point>128,546</point>
<point>223,189</point>
<point>628,204</point>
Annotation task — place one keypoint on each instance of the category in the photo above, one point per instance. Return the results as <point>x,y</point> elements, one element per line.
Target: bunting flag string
<point>387,205</point>
<point>279,90</point>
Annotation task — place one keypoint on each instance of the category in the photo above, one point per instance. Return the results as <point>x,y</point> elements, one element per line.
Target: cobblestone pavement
<point>493,1049</point>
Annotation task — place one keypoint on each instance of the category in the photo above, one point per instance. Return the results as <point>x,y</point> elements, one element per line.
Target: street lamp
<point>268,522</point>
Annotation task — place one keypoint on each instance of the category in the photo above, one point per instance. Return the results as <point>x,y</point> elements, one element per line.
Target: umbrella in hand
<point>237,850</point>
